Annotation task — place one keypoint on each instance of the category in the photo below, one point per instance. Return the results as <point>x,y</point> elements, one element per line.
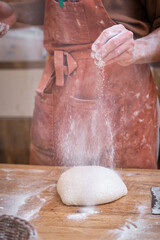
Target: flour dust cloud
<point>89,136</point>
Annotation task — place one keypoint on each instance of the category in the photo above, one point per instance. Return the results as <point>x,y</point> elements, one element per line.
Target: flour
<point>110,156</point>
<point>88,128</point>
<point>100,63</point>
<point>78,22</point>
<point>137,95</point>
<point>21,170</point>
<point>133,229</point>
<point>141,120</point>
<point>23,202</point>
<point>22,205</point>
<point>83,213</point>
<point>142,209</point>
<point>8,178</point>
<point>148,106</point>
<point>136,113</point>
<point>101,22</point>
<point>129,174</point>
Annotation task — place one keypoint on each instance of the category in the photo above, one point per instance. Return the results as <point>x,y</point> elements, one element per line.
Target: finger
<point>123,60</point>
<point>119,51</point>
<point>93,55</point>
<point>4,30</point>
<point>99,63</point>
<point>114,43</point>
<point>5,10</point>
<point>106,35</point>
<point>2,27</point>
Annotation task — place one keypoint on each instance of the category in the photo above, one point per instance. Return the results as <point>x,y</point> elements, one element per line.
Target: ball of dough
<point>90,185</point>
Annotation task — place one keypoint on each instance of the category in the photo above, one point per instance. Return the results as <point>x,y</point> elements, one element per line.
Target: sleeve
<point>153,12</point>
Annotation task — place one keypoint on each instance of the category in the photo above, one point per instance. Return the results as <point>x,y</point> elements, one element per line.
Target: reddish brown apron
<point>85,114</point>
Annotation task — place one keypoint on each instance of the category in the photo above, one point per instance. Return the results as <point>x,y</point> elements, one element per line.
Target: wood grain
<point>14,140</point>
<point>22,189</point>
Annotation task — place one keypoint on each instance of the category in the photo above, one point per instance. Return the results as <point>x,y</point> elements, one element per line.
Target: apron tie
<point>64,65</point>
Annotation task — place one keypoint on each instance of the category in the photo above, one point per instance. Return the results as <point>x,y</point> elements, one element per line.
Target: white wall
<point>17,86</point>
<point>17,91</point>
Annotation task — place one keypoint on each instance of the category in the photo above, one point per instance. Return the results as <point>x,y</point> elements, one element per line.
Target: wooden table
<point>30,193</point>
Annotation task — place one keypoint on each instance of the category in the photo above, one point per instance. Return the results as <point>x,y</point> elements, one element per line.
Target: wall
<point>22,61</point>
<point>17,91</point>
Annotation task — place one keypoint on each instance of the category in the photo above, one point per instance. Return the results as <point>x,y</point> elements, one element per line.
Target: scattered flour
<point>78,22</point>
<point>136,113</point>
<point>133,229</point>
<point>83,213</point>
<point>129,174</point>
<point>21,170</point>
<point>23,202</point>
<point>101,22</point>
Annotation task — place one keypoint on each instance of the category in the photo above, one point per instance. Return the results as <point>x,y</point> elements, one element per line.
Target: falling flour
<point>87,140</point>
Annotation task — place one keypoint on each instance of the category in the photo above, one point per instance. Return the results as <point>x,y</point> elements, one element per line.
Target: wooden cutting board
<point>30,193</point>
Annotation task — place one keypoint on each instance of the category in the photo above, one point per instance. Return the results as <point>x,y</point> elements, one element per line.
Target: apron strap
<point>63,63</point>
<point>62,68</point>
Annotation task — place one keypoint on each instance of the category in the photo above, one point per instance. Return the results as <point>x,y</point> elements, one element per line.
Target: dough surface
<point>90,185</point>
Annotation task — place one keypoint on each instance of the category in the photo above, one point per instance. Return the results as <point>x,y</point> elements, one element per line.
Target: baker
<point>96,102</point>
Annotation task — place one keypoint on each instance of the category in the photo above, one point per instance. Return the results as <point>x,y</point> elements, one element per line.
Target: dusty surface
<point>30,193</point>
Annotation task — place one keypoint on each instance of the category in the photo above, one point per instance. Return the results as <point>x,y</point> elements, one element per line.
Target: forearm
<point>147,49</point>
<point>29,12</point>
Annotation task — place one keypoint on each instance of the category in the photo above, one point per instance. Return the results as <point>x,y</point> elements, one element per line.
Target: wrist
<point>147,48</point>
<point>141,56</point>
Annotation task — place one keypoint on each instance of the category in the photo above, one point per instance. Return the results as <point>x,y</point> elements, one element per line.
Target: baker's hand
<point>7,17</point>
<point>115,45</point>
<point>3,29</point>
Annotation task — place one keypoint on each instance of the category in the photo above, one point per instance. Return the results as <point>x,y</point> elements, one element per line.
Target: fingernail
<point>98,56</point>
<point>1,28</point>
<point>7,27</point>
<point>92,55</point>
<point>94,47</point>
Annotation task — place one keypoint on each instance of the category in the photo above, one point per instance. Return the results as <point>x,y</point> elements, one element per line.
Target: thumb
<point>5,10</point>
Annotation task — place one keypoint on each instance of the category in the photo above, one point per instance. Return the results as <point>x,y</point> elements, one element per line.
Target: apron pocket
<point>69,25</point>
<point>42,123</point>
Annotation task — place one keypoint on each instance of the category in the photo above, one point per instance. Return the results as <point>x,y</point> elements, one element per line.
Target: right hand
<point>7,17</point>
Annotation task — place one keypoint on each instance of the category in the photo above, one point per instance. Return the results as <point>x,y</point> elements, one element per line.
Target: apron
<point>87,114</point>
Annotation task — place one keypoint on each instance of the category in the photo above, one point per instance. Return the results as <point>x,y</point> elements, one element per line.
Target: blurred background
<point>22,59</point>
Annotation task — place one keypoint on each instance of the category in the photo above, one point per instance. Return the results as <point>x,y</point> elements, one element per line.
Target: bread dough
<point>90,185</point>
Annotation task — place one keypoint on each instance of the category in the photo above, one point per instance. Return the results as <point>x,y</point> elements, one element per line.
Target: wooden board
<point>30,193</point>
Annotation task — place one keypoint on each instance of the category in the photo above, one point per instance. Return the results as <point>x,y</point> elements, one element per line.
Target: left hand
<point>7,17</point>
<point>115,45</point>
<point>3,29</point>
